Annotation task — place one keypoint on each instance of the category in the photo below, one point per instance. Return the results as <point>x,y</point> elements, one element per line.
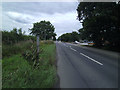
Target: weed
<point>18,73</point>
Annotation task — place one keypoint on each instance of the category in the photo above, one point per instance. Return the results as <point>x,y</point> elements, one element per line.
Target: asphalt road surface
<point>79,67</point>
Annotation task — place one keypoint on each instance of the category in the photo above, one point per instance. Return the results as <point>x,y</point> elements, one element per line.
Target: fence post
<point>38,48</point>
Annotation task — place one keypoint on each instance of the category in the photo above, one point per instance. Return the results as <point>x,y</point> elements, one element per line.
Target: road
<point>79,67</point>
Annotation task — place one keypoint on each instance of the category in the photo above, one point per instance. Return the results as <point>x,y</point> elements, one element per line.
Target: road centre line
<point>91,59</point>
<point>73,49</point>
<point>65,45</point>
<point>87,57</point>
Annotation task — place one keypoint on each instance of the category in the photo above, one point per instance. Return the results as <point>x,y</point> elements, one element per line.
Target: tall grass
<point>18,73</point>
<point>9,50</point>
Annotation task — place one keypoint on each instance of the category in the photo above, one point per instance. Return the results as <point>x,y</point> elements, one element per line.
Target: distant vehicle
<point>86,42</point>
<point>76,42</point>
<point>91,43</point>
<point>83,43</point>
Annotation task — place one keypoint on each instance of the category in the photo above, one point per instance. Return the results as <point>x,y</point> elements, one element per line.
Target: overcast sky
<point>62,15</point>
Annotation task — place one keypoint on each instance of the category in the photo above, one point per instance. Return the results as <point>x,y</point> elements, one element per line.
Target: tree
<point>75,36</point>
<point>54,38</point>
<point>69,37</point>
<point>44,29</point>
<point>14,36</point>
<point>100,22</point>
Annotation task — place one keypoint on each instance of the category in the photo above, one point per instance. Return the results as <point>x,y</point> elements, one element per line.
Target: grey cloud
<point>19,17</point>
<point>37,7</point>
<point>21,21</point>
<point>62,15</point>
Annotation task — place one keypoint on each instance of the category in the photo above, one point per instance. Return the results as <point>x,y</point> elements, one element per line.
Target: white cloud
<point>20,17</point>
<point>63,22</point>
<point>43,7</point>
<point>23,16</point>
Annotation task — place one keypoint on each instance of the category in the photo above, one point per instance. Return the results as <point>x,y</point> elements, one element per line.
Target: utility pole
<point>45,35</point>
<point>38,48</point>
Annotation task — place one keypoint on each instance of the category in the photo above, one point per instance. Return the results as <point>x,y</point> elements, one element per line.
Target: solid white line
<point>91,59</point>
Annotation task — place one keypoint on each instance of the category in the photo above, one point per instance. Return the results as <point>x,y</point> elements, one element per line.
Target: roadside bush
<point>31,55</point>
<point>9,50</point>
<point>18,73</point>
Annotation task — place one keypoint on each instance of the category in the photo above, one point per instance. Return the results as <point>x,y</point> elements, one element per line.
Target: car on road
<point>76,42</point>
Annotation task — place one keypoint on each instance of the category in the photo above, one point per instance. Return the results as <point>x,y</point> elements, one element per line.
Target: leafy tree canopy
<point>44,29</point>
<point>100,22</point>
<point>69,37</point>
<point>15,36</point>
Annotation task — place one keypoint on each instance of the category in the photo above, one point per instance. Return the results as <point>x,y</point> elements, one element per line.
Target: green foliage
<point>18,73</point>
<point>44,29</point>
<point>100,22</point>
<point>69,37</point>
<point>15,42</point>
<point>31,55</point>
<point>9,50</point>
<point>15,36</point>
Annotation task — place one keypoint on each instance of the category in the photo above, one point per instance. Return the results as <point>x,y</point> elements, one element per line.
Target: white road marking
<point>85,55</point>
<point>73,49</point>
<point>65,45</point>
<point>91,59</point>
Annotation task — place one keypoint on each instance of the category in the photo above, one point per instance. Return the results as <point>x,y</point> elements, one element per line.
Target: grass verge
<point>18,73</point>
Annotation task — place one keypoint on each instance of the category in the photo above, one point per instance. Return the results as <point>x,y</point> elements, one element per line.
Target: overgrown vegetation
<point>19,66</point>
<point>19,73</point>
<point>15,42</point>
<point>15,36</point>
<point>18,48</point>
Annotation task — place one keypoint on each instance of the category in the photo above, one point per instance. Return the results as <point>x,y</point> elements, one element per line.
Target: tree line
<point>15,36</point>
<point>100,21</point>
<point>69,37</point>
<point>44,28</point>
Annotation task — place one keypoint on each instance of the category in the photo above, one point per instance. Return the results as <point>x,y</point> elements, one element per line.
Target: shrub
<point>31,55</point>
<point>9,50</point>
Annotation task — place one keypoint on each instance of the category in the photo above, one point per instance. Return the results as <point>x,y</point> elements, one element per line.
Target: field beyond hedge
<point>18,73</point>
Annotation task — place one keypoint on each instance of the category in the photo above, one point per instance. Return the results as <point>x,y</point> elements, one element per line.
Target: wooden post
<point>38,48</point>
